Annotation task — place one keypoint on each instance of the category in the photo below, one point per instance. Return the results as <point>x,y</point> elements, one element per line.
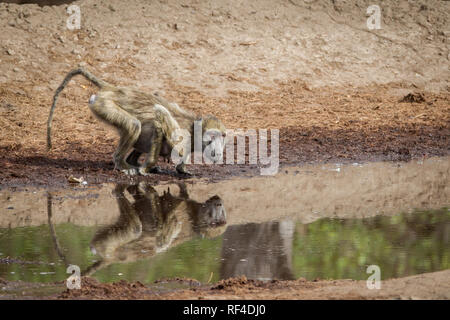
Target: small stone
<point>16,69</point>
<point>10,52</point>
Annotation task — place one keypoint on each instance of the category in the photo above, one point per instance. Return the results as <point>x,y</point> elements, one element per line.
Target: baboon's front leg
<point>181,167</point>
<point>171,129</point>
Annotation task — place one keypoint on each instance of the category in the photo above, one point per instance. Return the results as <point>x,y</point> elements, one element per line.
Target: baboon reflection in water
<point>154,223</point>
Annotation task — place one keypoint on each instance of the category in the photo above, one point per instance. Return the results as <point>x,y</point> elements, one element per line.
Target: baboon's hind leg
<point>153,154</point>
<point>128,126</point>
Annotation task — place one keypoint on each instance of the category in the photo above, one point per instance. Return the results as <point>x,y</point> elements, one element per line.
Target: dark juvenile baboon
<point>153,223</point>
<point>145,122</point>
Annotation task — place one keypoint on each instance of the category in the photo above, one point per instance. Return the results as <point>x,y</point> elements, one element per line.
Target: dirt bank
<point>424,286</point>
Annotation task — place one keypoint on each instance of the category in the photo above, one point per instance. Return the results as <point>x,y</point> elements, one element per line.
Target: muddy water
<point>328,222</point>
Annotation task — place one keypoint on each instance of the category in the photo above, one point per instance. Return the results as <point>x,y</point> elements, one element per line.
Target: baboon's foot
<point>147,171</point>
<point>131,171</point>
<point>126,168</point>
<point>182,171</point>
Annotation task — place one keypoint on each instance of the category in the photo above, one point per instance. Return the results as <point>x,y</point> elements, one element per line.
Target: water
<point>312,222</point>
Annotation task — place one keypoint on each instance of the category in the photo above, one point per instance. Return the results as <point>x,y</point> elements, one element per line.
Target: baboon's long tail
<point>98,82</point>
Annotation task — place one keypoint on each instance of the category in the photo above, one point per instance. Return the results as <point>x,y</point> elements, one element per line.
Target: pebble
<point>10,52</point>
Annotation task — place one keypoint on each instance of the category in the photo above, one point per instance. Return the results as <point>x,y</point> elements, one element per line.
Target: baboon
<point>146,123</point>
<point>152,223</point>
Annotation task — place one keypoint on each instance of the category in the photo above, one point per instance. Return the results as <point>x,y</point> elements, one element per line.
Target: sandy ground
<point>309,68</point>
<point>424,286</point>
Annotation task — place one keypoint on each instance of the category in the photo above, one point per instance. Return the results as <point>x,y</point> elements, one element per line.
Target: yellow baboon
<point>145,122</point>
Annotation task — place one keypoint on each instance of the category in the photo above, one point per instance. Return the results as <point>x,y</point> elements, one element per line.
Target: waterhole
<point>327,222</point>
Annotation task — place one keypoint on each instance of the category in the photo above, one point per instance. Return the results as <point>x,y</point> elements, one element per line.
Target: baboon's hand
<point>181,169</point>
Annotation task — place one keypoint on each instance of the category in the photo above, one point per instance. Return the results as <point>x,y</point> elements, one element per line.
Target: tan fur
<point>167,122</point>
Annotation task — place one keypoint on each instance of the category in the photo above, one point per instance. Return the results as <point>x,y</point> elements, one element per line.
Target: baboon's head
<point>211,218</point>
<point>213,143</point>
